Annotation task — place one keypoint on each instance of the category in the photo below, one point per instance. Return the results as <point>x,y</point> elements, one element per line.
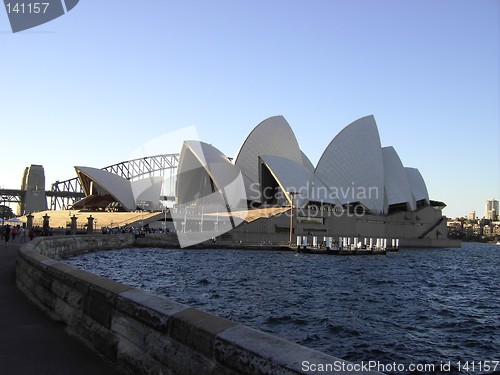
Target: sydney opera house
<point>358,188</point>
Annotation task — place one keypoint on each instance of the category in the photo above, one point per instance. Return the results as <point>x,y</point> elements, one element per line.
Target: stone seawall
<point>147,334</point>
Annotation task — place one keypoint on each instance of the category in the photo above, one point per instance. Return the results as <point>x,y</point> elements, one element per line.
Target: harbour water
<point>415,306</point>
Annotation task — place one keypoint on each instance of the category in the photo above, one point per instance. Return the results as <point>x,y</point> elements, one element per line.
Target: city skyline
<point>94,85</point>
<point>474,214</point>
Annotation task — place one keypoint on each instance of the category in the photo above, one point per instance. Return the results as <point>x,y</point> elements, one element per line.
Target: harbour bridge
<point>63,194</point>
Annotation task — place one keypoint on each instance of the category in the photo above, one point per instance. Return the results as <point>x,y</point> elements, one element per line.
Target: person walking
<point>13,233</point>
<point>31,234</point>
<point>6,234</point>
<point>22,235</point>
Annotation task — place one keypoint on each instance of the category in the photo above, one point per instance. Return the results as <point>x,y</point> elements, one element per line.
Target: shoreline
<point>158,241</point>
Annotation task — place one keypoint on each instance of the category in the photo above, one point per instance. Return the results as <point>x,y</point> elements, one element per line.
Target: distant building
<point>491,209</point>
<point>468,230</point>
<point>471,215</point>
<point>454,223</point>
<point>476,229</point>
<point>491,230</point>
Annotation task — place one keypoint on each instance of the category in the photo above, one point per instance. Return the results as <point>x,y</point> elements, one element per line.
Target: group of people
<point>138,232</point>
<point>18,234</point>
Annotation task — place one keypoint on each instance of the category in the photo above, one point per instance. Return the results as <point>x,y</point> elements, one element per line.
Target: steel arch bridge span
<point>148,165</point>
<point>151,166</point>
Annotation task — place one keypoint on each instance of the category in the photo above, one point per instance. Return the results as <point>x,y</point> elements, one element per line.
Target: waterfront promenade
<point>32,343</point>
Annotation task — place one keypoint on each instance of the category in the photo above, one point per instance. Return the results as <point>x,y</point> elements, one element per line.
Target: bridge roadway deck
<point>30,342</point>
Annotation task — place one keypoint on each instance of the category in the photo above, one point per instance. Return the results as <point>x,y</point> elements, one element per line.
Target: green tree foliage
<point>6,212</point>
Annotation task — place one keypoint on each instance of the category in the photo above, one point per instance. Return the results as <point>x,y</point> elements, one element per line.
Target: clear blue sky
<point>93,85</point>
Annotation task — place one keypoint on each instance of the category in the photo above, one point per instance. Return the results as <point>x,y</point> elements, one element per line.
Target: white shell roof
<point>291,176</point>
<point>207,179</point>
<point>117,186</point>
<point>353,168</point>
<point>397,186</point>
<point>353,164</point>
<point>218,166</point>
<point>226,176</point>
<point>273,136</point>
<point>147,189</point>
<point>306,162</point>
<point>417,184</point>
<point>320,192</point>
<point>294,177</point>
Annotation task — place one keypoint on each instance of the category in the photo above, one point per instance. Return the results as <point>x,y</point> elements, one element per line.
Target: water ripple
<point>414,306</point>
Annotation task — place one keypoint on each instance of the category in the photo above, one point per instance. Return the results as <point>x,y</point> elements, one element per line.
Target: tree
<point>6,212</point>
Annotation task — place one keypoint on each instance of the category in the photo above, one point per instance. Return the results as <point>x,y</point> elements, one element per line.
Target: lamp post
<point>165,219</point>
<point>185,220</point>
<point>201,222</point>
<point>216,225</point>
<point>3,210</point>
<point>142,203</point>
<point>292,194</point>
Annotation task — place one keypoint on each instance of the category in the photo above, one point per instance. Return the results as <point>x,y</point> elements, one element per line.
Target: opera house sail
<point>357,187</point>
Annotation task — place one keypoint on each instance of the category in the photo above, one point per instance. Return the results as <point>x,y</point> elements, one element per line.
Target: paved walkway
<point>32,343</point>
